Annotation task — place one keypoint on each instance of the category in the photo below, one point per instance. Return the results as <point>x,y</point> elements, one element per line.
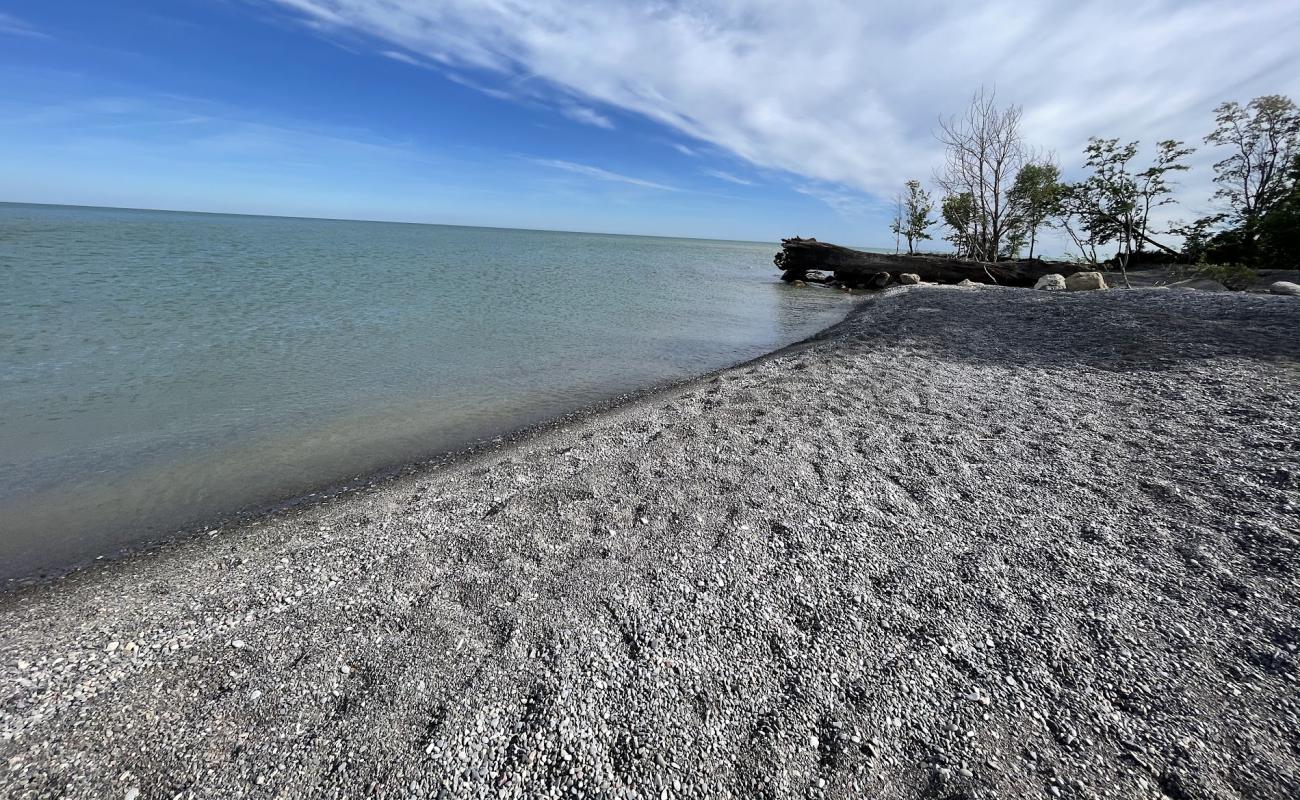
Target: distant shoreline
<point>774,243</point>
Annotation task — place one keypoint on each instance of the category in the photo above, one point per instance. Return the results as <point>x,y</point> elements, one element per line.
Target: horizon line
<point>386,222</point>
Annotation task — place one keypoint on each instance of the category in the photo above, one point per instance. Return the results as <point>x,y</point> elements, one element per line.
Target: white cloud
<point>587,116</point>
<point>9,24</point>
<point>722,175</point>
<point>849,92</point>
<point>601,174</point>
<point>397,55</point>
<point>850,205</point>
<point>684,150</point>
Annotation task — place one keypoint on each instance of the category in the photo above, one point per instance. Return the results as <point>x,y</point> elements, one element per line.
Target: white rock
<point>1285,287</point>
<point>1083,281</point>
<point>1051,282</point>
<point>909,278</point>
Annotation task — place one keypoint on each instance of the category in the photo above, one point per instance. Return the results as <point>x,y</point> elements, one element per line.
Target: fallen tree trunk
<point>859,268</point>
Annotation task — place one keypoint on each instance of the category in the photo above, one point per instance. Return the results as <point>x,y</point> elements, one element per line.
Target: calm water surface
<point>159,369</point>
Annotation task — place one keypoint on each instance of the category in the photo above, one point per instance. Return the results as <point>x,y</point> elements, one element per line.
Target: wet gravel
<point>970,543</point>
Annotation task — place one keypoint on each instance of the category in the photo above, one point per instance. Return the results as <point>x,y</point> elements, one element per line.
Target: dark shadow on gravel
<point>1120,331</point>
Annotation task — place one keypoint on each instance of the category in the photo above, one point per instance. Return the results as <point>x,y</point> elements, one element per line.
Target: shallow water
<point>158,369</point>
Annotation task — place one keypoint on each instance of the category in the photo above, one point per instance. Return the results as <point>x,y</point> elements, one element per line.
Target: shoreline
<point>965,541</point>
<point>334,490</point>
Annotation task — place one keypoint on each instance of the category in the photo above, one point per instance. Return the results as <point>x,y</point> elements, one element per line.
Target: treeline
<point>999,194</point>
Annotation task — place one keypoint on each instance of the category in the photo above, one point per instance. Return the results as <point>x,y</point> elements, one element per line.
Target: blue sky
<point>700,119</point>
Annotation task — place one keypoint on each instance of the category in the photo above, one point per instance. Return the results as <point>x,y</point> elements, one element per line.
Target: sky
<point>737,119</point>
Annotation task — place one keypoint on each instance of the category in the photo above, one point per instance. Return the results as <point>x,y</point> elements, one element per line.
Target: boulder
<point>1285,287</point>
<point>968,282</point>
<point>909,278</point>
<point>1051,282</point>
<point>1083,281</point>
<point>878,281</point>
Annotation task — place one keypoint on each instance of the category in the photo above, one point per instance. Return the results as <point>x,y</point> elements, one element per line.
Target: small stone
<point>238,644</point>
<point>132,793</point>
<point>345,669</point>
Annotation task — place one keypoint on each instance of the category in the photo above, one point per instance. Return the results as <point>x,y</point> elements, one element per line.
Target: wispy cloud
<point>684,150</point>
<point>850,205</point>
<point>728,177</point>
<point>587,116</point>
<point>601,174</point>
<point>9,24</point>
<point>405,58</point>
<point>490,91</point>
<point>851,94</point>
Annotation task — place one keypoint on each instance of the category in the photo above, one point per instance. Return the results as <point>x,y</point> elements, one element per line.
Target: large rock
<point>1083,281</point>
<point>909,278</point>
<point>1051,282</point>
<point>878,280</point>
<point>1285,287</point>
<point>968,282</point>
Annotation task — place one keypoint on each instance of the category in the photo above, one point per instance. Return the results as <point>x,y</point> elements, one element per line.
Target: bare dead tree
<point>984,153</point>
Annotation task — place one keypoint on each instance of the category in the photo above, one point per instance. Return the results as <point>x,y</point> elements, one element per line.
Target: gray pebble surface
<point>969,543</point>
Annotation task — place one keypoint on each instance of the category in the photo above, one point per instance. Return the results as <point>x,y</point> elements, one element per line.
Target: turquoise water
<point>159,369</point>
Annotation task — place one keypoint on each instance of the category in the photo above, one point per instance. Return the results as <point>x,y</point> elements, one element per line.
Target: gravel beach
<point>969,543</point>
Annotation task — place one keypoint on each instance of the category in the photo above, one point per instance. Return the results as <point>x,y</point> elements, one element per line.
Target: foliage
<point>913,221</point>
<point>998,197</point>
<point>1278,230</point>
<point>1237,277</point>
<point>1263,138</point>
<point>1258,183</point>
<point>1114,203</point>
<point>1035,197</point>
<point>958,211</point>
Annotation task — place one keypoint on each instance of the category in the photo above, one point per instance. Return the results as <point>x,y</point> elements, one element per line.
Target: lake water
<point>160,369</point>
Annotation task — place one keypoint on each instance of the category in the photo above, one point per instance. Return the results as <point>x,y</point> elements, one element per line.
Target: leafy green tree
<point>1279,226</point>
<point>1263,140</point>
<point>913,222</point>
<point>1035,198</point>
<point>1076,215</point>
<point>958,211</point>
<point>1115,202</point>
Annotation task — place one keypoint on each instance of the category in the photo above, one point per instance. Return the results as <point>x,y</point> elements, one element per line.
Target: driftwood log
<point>859,268</point>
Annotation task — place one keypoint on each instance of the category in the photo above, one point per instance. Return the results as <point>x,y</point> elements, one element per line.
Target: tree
<point>1115,203</point>
<point>1264,139</point>
<point>1076,215</point>
<point>1279,226</point>
<point>958,211</point>
<point>1035,198</point>
<point>985,151</point>
<point>898,222</point>
<point>912,220</point>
